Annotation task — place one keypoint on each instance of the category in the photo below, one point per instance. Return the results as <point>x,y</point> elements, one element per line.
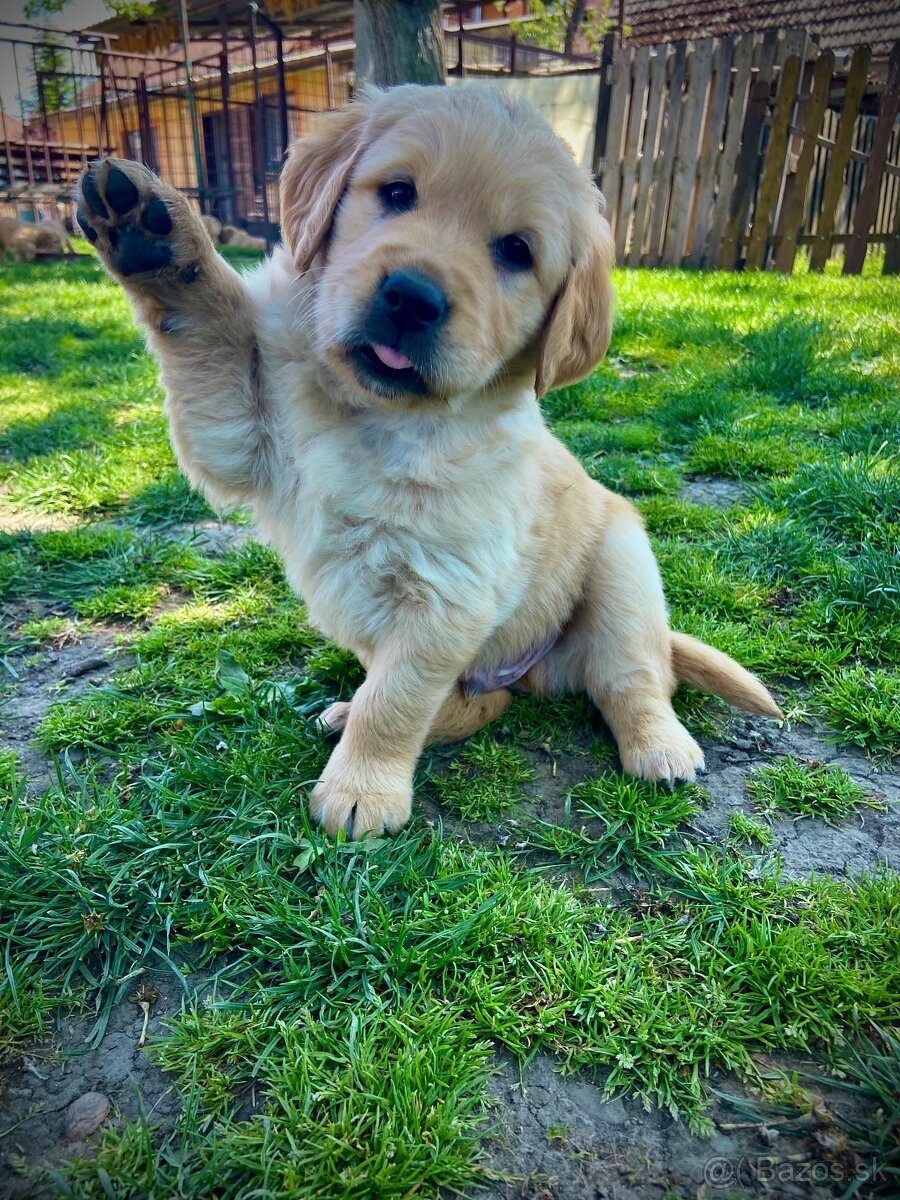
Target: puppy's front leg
<point>367,785</point>
<point>198,317</point>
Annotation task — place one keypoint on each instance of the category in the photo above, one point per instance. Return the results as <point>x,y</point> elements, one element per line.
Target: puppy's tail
<point>712,671</point>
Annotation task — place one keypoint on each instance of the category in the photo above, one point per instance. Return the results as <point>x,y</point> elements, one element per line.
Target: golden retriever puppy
<point>372,391</point>
<point>27,240</point>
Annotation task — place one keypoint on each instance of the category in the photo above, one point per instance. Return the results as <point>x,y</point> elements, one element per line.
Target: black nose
<point>412,302</point>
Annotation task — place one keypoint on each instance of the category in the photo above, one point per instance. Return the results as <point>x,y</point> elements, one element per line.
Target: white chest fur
<point>391,512</point>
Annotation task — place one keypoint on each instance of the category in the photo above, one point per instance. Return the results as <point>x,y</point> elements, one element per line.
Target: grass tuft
<point>808,789</point>
<point>485,780</point>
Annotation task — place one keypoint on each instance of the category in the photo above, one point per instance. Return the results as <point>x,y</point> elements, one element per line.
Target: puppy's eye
<point>398,196</point>
<point>513,252</point>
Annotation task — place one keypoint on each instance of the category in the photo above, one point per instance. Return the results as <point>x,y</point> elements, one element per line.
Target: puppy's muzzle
<point>397,347</point>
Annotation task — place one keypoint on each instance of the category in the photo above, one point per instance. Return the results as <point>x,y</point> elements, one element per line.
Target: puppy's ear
<point>578,328</point>
<point>314,177</point>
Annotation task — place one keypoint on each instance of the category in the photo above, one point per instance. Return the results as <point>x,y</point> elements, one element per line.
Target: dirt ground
<point>555,1137</point>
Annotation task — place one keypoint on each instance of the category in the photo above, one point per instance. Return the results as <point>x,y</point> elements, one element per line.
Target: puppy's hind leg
<point>459,717</point>
<point>618,650</point>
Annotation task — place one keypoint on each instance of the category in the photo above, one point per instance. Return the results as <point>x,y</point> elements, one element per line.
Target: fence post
<point>795,188</point>
<point>648,153</point>
<point>684,169</point>
<point>840,156</point>
<point>867,203</point>
<point>710,151</point>
<point>629,162</point>
<point>601,126</point>
<point>668,142</point>
<point>773,169</point>
<point>743,61</point>
<point>612,161</point>
<point>747,170</point>
<point>192,104</point>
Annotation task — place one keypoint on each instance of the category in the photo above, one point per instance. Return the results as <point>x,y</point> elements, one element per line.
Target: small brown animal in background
<point>213,226</point>
<point>372,390</point>
<point>232,236</point>
<point>28,240</point>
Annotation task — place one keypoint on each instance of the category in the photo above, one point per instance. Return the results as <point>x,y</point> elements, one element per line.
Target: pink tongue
<point>392,358</point>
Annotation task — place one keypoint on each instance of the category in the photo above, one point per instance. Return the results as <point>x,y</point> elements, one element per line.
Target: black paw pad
<point>84,225</point>
<point>156,217</point>
<point>91,195</point>
<point>137,253</point>
<point>121,194</point>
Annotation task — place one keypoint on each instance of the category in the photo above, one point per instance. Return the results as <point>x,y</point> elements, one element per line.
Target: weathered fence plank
<point>655,95</point>
<point>618,102</point>
<point>840,156</point>
<point>684,171</point>
<point>867,203</point>
<point>747,171</point>
<point>796,185</point>
<point>711,149</point>
<point>743,61</point>
<point>726,152</point>
<point>667,144</point>
<point>892,249</point>
<point>632,144</point>
<point>773,170</point>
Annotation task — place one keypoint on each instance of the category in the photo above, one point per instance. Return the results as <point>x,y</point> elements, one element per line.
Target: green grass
<point>745,830</point>
<point>624,823</point>
<point>808,789</point>
<point>485,780</point>
<point>359,990</point>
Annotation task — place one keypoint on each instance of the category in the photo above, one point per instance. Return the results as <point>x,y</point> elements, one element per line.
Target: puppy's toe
<point>334,717</point>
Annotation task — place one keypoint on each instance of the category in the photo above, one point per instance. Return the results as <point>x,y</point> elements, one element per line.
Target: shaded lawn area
<point>359,990</point>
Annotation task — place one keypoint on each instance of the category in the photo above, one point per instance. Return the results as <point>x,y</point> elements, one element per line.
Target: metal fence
<point>216,128</point>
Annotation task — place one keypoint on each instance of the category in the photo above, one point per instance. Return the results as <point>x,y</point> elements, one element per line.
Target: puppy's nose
<point>412,302</point>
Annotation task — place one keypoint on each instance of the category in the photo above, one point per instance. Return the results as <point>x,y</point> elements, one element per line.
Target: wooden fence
<point>734,152</point>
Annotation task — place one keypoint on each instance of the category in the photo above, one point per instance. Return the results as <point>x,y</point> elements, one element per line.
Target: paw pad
<point>120,212</point>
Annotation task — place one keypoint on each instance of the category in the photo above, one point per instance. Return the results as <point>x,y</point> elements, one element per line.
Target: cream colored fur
<point>431,535</point>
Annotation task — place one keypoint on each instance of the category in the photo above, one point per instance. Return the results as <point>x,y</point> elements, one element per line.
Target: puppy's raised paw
<point>139,225</point>
<point>359,813</point>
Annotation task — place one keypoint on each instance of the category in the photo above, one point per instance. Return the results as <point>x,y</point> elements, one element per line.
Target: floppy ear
<point>580,323</point>
<point>314,177</point>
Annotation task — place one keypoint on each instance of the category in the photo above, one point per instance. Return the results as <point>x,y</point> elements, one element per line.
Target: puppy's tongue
<point>392,358</point>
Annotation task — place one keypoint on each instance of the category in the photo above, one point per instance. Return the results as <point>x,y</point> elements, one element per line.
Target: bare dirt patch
<point>718,493</point>
<point>48,677</point>
<point>40,1088</point>
<point>560,1140</point>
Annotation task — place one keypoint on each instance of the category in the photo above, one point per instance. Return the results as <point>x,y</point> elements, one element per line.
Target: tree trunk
<point>573,25</point>
<point>398,41</point>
